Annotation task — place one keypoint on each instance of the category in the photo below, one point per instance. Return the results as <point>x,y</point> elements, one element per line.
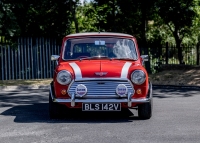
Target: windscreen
<point>119,48</point>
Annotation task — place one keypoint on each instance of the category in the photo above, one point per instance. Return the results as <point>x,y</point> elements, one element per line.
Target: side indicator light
<point>63,92</point>
<point>139,91</point>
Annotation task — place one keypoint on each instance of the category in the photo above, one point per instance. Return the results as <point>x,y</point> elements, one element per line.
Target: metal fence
<point>28,59</point>
<point>168,55</point>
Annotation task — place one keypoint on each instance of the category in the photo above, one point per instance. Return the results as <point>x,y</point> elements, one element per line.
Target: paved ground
<point>24,118</point>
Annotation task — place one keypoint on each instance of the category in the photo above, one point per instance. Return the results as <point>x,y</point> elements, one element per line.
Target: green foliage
<point>87,17</point>
<point>8,24</point>
<point>175,18</point>
<point>176,22</point>
<point>166,20</point>
<point>35,18</point>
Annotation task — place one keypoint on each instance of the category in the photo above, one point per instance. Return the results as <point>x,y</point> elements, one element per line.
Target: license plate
<point>101,107</point>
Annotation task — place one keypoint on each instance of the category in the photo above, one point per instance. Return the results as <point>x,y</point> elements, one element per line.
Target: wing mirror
<point>145,58</point>
<point>55,58</point>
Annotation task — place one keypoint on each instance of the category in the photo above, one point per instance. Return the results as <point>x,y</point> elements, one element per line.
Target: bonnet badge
<point>100,73</point>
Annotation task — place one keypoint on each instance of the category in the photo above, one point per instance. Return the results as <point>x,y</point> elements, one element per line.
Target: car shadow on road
<point>174,92</point>
<point>39,113</point>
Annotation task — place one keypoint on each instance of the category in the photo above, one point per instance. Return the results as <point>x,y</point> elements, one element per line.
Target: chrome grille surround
<point>100,87</point>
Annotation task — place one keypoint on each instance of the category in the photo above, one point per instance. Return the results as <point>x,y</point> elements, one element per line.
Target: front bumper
<point>129,100</point>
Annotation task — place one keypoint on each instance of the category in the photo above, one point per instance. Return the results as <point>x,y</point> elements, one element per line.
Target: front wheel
<point>145,110</point>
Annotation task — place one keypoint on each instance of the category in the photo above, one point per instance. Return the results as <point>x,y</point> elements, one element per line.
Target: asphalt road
<point>176,119</point>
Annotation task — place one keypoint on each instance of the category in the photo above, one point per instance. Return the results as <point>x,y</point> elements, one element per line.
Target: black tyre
<point>145,110</point>
<point>54,109</point>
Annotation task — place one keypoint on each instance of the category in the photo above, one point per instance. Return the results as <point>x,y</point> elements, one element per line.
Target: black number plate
<point>101,107</point>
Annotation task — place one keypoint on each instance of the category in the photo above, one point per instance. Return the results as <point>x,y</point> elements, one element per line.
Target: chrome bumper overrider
<point>128,100</point>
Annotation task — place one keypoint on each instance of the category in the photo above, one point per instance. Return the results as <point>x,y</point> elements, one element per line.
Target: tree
<point>178,15</point>
<point>8,24</point>
<point>36,17</point>
<point>87,17</point>
<point>73,8</point>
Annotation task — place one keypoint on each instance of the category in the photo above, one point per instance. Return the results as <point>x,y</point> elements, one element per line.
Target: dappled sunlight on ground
<point>179,76</point>
<point>25,82</point>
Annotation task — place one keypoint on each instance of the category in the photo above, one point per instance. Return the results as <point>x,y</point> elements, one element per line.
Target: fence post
<point>2,63</point>
<point>34,59</point>
<point>166,53</point>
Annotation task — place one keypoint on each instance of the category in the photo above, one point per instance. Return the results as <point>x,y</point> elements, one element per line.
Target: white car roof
<point>100,34</point>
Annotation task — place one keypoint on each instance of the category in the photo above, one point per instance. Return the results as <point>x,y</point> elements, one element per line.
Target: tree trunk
<point>198,53</point>
<point>180,55</point>
<point>178,46</point>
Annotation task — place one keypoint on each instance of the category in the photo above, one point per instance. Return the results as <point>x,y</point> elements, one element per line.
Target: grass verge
<point>25,82</point>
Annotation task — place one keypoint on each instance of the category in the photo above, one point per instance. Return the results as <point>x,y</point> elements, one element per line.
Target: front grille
<point>100,88</point>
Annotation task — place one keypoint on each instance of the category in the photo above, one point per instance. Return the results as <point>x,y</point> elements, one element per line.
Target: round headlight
<point>64,77</point>
<point>138,77</point>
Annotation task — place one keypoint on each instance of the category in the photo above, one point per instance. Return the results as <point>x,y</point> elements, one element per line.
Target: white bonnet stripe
<point>77,70</point>
<point>125,70</point>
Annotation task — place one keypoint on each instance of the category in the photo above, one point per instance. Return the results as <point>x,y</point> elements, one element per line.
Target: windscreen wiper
<point>95,57</point>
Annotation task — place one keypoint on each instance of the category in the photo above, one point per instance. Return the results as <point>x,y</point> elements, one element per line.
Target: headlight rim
<point>137,71</point>
<point>57,78</point>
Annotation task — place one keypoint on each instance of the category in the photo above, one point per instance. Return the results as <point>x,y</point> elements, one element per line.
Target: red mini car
<point>100,72</point>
